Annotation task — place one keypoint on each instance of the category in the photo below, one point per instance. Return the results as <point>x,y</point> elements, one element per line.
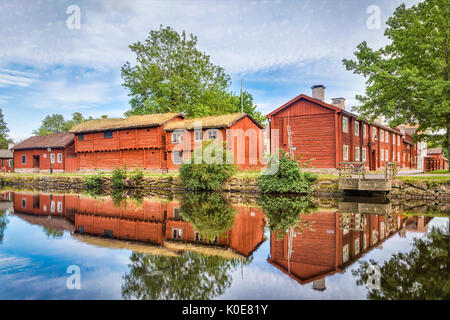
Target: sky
<point>52,62</point>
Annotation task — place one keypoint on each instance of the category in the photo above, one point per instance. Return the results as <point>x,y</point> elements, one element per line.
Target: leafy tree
<point>4,139</point>
<point>289,178</point>
<point>53,233</point>
<point>4,220</point>
<point>209,172</point>
<point>57,123</point>
<point>408,79</point>
<point>285,212</point>
<point>191,276</point>
<point>422,273</point>
<point>209,213</point>
<point>172,75</point>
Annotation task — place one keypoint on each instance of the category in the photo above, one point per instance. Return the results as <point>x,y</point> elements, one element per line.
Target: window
<point>386,155</point>
<point>197,236</point>
<point>60,206</point>
<point>345,253</point>
<point>382,230</point>
<point>364,131</point>
<point>356,246</point>
<point>45,208</point>
<point>345,152</point>
<point>393,155</point>
<point>398,156</point>
<point>11,162</point>
<point>176,137</point>
<point>177,157</point>
<point>80,229</point>
<point>381,135</point>
<point>356,153</point>
<point>398,140</point>
<point>374,133</point>
<point>365,241</point>
<point>81,137</point>
<point>24,159</point>
<point>213,134</point>
<point>374,236</point>
<point>386,138</point>
<point>59,157</point>
<point>108,134</point>
<point>108,233</point>
<point>363,155</point>
<point>176,214</point>
<point>382,155</point>
<point>44,156</point>
<point>344,124</point>
<point>198,135</point>
<point>177,233</point>
<point>52,158</point>
<point>24,202</point>
<point>52,206</point>
<point>356,128</point>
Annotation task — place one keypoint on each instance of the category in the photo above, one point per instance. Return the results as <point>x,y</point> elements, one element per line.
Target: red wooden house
<point>435,160</point>
<point>327,134</point>
<point>242,134</point>
<point>136,141</point>
<point>54,152</point>
<point>6,160</point>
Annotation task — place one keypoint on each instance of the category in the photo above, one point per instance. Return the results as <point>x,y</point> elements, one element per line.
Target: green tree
<point>191,276</point>
<point>422,273</point>
<point>408,79</point>
<point>57,123</point>
<point>172,75</point>
<point>4,138</point>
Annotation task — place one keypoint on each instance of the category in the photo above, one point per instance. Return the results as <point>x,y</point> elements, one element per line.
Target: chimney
<point>318,92</point>
<point>338,102</point>
<point>319,284</point>
<point>11,145</point>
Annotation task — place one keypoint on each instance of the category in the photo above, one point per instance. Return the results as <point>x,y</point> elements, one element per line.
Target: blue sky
<point>279,48</point>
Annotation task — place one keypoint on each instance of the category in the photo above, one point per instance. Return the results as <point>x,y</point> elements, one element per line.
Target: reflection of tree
<point>423,273</point>
<point>53,233</point>
<point>4,220</point>
<point>122,198</point>
<point>286,212</point>
<point>209,213</point>
<point>190,276</point>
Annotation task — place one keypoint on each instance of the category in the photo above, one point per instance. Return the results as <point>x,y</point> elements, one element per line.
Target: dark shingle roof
<point>55,140</point>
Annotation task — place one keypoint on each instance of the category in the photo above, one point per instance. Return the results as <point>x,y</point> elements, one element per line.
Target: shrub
<point>200,175</point>
<point>94,181</point>
<point>118,175</point>
<point>289,178</point>
<point>136,176</point>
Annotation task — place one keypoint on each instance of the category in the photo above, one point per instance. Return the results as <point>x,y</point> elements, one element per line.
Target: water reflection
<point>204,245</point>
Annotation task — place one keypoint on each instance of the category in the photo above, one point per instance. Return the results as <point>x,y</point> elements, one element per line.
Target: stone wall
<point>326,187</point>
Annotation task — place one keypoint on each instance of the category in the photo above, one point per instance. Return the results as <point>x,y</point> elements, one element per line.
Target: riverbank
<point>407,187</point>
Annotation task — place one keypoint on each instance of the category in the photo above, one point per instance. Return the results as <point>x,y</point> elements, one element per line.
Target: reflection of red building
<point>152,221</point>
<point>331,242</point>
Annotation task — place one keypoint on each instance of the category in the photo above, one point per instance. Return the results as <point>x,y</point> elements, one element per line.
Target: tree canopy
<point>408,79</point>
<point>4,138</point>
<point>57,123</point>
<point>172,75</point>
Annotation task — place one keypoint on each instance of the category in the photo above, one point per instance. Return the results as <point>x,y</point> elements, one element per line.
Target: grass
<point>425,178</point>
<point>439,172</point>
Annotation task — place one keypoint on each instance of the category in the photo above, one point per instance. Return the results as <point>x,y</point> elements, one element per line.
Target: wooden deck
<point>353,177</point>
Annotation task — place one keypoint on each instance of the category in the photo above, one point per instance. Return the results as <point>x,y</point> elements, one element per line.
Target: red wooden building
<point>435,160</point>
<point>54,152</point>
<point>136,141</point>
<point>6,160</point>
<point>242,134</point>
<point>327,134</point>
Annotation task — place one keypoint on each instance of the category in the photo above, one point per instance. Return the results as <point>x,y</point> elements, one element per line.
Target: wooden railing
<point>352,170</point>
<point>390,170</point>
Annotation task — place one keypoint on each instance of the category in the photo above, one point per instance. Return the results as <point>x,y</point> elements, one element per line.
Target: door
<point>373,160</point>
<point>36,166</point>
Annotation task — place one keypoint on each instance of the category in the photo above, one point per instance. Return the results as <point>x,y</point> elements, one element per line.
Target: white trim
<point>345,152</point>
<point>345,124</point>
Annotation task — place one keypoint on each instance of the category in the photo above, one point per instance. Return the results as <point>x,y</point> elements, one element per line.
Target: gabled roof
<point>54,140</point>
<point>132,122</point>
<point>210,122</point>
<point>6,154</point>
<point>300,97</point>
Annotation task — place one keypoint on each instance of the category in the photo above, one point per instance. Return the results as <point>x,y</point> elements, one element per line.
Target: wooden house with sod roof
<point>136,141</point>
<point>50,153</point>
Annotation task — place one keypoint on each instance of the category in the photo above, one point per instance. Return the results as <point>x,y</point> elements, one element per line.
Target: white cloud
<point>16,78</point>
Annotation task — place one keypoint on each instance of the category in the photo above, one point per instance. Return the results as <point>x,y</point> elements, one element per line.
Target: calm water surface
<point>203,246</point>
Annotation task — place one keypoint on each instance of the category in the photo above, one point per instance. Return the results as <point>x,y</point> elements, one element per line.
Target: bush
<point>207,176</point>
<point>136,176</point>
<point>118,175</point>
<point>289,178</point>
<point>94,181</point>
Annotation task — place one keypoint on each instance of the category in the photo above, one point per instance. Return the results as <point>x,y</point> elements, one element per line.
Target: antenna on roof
<point>242,102</point>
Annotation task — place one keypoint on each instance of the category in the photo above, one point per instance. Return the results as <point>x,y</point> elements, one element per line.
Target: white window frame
<point>345,152</point>
<point>44,156</point>
<point>356,128</point>
<point>59,158</point>
<point>386,136</point>
<point>198,133</point>
<point>357,246</point>
<point>382,154</point>
<point>374,133</point>
<point>365,241</point>
<point>212,132</point>
<point>59,206</point>
<point>364,155</point>
<point>382,230</point>
<point>357,154</point>
<point>345,124</point>
<point>398,157</point>
<point>364,131</point>
<point>179,233</point>
<point>386,155</point>
<point>398,140</point>
<point>52,157</point>
<point>381,135</point>
<point>52,206</point>
<point>176,136</point>
<point>177,159</point>
<point>345,255</point>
